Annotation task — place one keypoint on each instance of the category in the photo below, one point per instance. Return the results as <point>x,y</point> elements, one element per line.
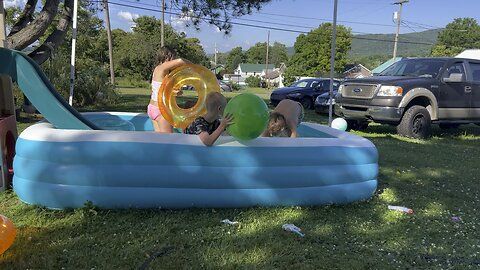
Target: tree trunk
<point>45,51</point>
<point>25,18</point>
<point>35,29</point>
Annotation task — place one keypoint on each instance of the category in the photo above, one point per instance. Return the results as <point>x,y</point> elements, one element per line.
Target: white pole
<point>332,62</point>
<point>215,55</point>
<point>74,43</point>
<point>266,59</point>
<point>2,26</point>
<point>162,28</point>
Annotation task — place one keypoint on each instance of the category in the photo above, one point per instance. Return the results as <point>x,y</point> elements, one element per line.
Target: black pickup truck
<point>414,93</point>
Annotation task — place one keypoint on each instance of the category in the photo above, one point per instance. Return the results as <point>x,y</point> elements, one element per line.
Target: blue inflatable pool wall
<point>60,168</point>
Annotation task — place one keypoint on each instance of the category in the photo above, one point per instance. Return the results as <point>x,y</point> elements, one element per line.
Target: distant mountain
<point>373,44</point>
<point>409,44</point>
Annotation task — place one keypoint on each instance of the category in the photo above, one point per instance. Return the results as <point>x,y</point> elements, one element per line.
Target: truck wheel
<point>356,125</point>
<point>448,126</point>
<point>415,123</point>
<point>306,103</point>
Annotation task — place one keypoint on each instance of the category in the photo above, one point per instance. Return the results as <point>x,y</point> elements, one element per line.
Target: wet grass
<point>438,178</point>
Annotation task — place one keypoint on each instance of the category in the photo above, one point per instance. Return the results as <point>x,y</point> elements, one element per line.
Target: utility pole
<point>3,30</point>
<point>401,2</point>
<point>162,28</point>
<point>266,59</point>
<point>110,46</point>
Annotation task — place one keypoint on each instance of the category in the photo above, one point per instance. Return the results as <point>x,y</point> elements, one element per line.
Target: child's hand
<point>227,120</point>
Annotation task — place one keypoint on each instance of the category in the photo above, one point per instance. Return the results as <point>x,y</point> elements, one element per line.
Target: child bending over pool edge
<point>211,125</point>
<point>285,119</point>
<point>166,62</point>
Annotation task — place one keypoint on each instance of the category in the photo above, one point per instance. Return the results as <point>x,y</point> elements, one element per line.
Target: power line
<point>262,26</point>
<point>412,24</point>
<point>280,15</point>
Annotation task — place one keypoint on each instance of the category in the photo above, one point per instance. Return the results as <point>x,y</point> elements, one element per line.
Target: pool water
<point>141,122</point>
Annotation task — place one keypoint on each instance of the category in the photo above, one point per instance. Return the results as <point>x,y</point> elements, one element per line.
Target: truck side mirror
<point>455,77</point>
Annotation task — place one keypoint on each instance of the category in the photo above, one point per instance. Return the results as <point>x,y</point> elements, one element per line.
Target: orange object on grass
<point>7,233</point>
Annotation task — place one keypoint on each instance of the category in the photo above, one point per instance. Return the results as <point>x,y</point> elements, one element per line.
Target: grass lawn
<point>438,178</point>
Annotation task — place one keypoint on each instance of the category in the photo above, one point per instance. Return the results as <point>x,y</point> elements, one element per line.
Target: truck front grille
<point>358,90</point>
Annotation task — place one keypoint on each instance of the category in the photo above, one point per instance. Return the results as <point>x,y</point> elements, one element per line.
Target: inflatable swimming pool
<point>64,168</point>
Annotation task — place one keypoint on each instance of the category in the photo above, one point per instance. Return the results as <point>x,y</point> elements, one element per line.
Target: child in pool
<point>285,119</point>
<point>211,125</point>
<point>166,62</point>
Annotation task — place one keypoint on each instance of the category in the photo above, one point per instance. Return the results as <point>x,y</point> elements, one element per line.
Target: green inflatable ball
<point>250,116</point>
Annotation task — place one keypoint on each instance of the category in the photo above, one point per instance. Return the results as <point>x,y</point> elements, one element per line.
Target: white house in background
<point>275,77</point>
<point>243,71</point>
<point>470,53</point>
<point>247,70</point>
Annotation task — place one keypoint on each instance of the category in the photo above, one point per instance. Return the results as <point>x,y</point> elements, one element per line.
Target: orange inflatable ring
<point>7,233</point>
<point>203,82</point>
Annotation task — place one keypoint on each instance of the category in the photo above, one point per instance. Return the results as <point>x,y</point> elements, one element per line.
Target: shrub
<point>253,81</point>
<point>92,84</point>
<point>236,86</point>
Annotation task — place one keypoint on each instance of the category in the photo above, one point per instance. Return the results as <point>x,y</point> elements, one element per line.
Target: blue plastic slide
<point>38,89</point>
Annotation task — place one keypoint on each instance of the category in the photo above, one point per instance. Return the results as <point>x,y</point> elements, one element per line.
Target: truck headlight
<point>340,89</point>
<point>390,91</point>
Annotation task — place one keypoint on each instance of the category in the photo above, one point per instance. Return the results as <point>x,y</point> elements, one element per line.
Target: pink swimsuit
<point>152,110</point>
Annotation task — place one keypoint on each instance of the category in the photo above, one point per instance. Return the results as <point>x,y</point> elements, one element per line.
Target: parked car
<point>224,86</point>
<point>304,91</point>
<point>322,104</point>
<point>414,93</point>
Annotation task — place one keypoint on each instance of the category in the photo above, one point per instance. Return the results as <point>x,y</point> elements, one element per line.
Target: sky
<point>295,16</point>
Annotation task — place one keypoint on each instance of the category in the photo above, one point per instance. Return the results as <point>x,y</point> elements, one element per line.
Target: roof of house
<point>355,68</point>
<point>357,71</point>
<point>272,74</point>
<point>255,67</point>
<point>217,68</point>
<point>385,65</point>
<point>470,53</point>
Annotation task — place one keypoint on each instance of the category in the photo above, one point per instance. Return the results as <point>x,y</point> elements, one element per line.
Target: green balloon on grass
<point>250,116</point>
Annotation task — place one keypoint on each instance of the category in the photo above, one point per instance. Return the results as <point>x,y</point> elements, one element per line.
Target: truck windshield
<point>415,67</point>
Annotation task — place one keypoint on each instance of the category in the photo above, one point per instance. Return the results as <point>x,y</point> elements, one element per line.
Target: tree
<point>234,58</point>
<point>136,52</point>
<point>30,27</point>
<point>277,53</point>
<point>257,53</point>
<point>216,12</point>
<point>461,34</point>
<point>312,52</point>
<point>91,69</point>
<point>27,29</point>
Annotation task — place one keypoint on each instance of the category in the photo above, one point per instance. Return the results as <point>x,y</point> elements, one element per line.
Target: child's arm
<point>294,133</point>
<point>209,139</point>
<point>162,70</point>
<point>170,65</point>
<point>293,129</point>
